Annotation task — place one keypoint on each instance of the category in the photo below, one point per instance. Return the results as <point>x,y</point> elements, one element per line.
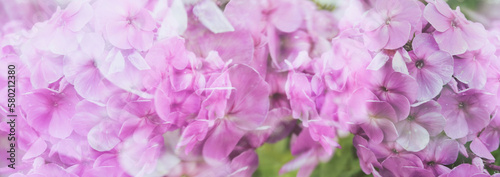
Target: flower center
<point>454,23</point>
<point>461,105</point>
<point>388,21</point>
<point>410,118</point>
<point>431,163</point>
<point>384,89</point>
<point>419,64</point>
<point>129,20</point>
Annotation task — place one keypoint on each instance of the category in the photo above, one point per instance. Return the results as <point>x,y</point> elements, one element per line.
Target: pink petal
<point>219,145</point>
<point>451,41</point>
<point>81,18</point>
<point>63,41</point>
<point>287,17</point>
<point>144,21</point>
<point>475,35</point>
<point>117,33</point>
<point>433,122</point>
<point>424,45</point>
<point>60,125</point>
<point>103,137</point>
<point>429,85</point>
<point>249,102</point>
<point>35,149</point>
<point>400,32</point>
<point>478,147</point>
<point>441,63</point>
<point>491,139</point>
<point>194,132</point>
<point>212,17</point>
<point>377,39</point>
<point>412,136</point>
<point>245,164</point>
<point>439,21</point>
<point>139,39</point>
<point>456,125</point>
<point>378,61</point>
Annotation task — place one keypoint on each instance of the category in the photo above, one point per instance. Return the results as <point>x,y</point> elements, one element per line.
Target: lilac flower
<point>471,67</point>
<point>51,111</point>
<point>466,112</point>
<point>299,91</point>
<point>389,23</point>
<point>491,134</point>
<point>235,111</point>
<point>127,24</point>
<point>423,122</point>
<point>431,67</point>
<point>395,88</point>
<point>454,33</point>
<point>373,116</point>
<point>439,152</point>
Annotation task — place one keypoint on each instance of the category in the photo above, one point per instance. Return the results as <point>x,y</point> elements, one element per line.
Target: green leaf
<point>272,157</point>
<point>344,162</point>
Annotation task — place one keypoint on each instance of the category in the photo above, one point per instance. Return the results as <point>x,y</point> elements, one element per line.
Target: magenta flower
<point>66,24</point>
<point>51,111</point>
<point>127,24</point>
<point>373,116</point>
<point>368,160</point>
<point>491,134</point>
<point>231,111</point>
<point>465,170</point>
<point>471,67</point>
<point>139,156</point>
<point>307,154</point>
<point>466,112</point>
<point>82,70</point>
<point>299,91</point>
<point>348,56</point>
<point>439,152</point>
<point>423,122</point>
<point>397,89</point>
<point>389,23</point>
<point>454,33</point>
<point>431,67</point>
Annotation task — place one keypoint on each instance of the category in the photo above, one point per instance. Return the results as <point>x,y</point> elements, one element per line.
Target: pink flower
<point>128,24</point>
<point>471,67</point>
<point>82,70</point>
<point>397,89</point>
<point>367,159</point>
<point>66,24</point>
<point>466,112</point>
<point>373,116</point>
<point>299,91</point>
<point>307,154</point>
<point>431,67</point>
<point>454,33</point>
<point>423,122</point>
<point>389,23</point>
<point>228,111</point>
<point>51,111</point>
<point>491,134</point>
<point>439,152</point>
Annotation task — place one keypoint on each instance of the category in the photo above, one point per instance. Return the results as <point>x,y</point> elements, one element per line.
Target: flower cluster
<point>194,87</point>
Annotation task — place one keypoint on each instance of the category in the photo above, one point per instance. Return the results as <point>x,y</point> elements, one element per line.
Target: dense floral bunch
<point>193,87</point>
